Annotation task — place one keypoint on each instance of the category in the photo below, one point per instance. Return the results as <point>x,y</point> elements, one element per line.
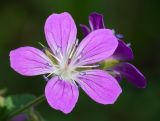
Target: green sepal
<point>108,64</point>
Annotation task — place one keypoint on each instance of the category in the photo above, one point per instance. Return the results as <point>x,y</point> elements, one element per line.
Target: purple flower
<point>69,65</point>
<point>122,53</point>
<point>20,117</point>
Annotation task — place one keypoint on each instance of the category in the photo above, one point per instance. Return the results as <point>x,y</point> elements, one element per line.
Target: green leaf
<point>2,101</point>
<point>9,103</point>
<point>17,101</point>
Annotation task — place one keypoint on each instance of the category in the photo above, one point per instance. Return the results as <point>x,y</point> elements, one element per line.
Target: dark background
<point>22,22</point>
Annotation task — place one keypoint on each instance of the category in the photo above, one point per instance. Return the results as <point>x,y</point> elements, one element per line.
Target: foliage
<point>12,103</point>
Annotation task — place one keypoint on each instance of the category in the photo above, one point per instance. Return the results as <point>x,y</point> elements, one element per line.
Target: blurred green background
<point>22,22</point>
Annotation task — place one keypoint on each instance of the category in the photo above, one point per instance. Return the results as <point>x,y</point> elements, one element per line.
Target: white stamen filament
<point>41,45</point>
<point>49,75</point>
<point>73,49</point>
<point>54,72</point>
<point>92,66</point>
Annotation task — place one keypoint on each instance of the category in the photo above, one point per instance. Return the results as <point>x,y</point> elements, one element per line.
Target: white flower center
<point>66,72</point>
<point>62,67</point>
<point>65,66</point>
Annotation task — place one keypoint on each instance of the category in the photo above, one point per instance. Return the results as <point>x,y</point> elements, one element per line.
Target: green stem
<point>27,106</point>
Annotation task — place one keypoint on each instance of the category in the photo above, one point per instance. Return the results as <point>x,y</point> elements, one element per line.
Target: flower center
<point>66,72</point>
<point>65,66</point>
<point>62,67</point>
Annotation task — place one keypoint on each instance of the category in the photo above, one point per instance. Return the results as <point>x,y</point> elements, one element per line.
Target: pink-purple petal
<point>100,86</point>
<point>132,74</point>
<point>96,21</point>
<point>60,31</point>
<point>61,95</point>
<point>97,46</point>
<point>30,61</point>
<point>85,29</point>
<point>123,52</point>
